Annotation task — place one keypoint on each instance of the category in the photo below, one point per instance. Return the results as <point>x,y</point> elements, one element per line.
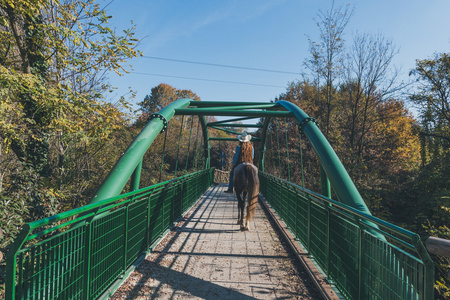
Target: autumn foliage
<point>60,135</point>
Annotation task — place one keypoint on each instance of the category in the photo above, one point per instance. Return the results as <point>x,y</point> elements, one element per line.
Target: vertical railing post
<point>360,283</point>
<point>297,235</point>
<point>19,292</point>
<point>11,260</point>
<point>328,239</point>
<point>428,265</point>
<point>149,242</point>
<point>125,239</point>
<point>87,259</point>
<point>309,224</point>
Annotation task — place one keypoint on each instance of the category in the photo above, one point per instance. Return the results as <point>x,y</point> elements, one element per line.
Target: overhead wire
<point>220,65</point>
<point>210,80</point>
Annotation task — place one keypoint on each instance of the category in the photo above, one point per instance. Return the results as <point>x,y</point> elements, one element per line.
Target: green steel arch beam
<point>130,160</point>
<point>341,182</point>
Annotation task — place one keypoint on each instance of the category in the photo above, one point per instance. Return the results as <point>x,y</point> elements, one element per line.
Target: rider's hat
<point>244,137</point>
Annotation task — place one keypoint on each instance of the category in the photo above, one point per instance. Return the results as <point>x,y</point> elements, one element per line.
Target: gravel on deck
<point>206,256</point>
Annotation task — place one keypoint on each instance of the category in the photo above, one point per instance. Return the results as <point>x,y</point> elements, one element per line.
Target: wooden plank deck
<point>206,256</point>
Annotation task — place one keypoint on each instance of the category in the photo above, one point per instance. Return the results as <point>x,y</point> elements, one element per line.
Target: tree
<point>370,79</point>
<point>162,95</point>
<point>327,54</point>
<point>53,61</point>
<point>54,122</point>
<point>433,102</point>
<point>159,97</point>
<point>432,98</point>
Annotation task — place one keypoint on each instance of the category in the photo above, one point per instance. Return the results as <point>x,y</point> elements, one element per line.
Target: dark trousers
<point>230,182</point>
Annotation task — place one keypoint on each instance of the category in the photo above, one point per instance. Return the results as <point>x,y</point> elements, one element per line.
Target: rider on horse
<point>244,153</point>
<point>245,181</point>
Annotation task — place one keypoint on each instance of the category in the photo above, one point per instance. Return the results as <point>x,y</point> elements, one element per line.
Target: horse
<point>246,185</point>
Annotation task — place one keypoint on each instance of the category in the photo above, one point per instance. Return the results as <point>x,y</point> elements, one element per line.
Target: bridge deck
<point>206,256</point>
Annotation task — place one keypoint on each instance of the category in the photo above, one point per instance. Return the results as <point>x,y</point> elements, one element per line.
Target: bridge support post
<point>325,183</point>
<point>206,146</point>
<point>262,147</point>
<point>207,149</point>
<point>136,177</point>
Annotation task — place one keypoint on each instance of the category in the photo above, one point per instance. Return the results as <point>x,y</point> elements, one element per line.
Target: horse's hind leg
<point>240,210</point>
<point>251,206</point>
<point>239,213</point>
<point>244,226</point>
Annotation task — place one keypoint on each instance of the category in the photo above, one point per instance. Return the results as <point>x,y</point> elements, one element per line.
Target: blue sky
<point>265,34</point>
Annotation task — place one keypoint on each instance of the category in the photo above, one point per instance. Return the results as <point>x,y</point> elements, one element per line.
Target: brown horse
<point>246,185</point>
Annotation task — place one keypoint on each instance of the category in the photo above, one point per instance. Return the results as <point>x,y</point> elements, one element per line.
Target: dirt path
<point>206,256</point>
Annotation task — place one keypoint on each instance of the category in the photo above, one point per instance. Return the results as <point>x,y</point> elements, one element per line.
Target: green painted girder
<point>236,125</point>
<point>232,132</point>
<point>226,130</point>
<point>223,139</point>
<point>253,113</point>
<point>260,106</point>
<point>225,122</point>
<point>231,103</point>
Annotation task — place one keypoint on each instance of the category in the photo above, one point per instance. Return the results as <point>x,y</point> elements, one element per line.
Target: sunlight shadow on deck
<point>207,256</point>
<point>184,284</point>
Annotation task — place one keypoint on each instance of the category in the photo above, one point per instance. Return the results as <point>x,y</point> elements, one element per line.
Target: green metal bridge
<point>79,254</point>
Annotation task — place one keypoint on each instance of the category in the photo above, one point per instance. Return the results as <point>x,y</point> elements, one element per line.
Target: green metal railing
<point>80,253</point>
<point>361,265</point>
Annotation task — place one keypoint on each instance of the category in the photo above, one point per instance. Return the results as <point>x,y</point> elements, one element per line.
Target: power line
<point>210,80</point>
<point>220,65</point>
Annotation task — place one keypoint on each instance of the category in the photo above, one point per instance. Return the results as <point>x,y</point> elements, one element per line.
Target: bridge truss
<point>84,253</point>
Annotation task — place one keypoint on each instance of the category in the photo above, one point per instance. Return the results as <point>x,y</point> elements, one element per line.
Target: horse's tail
<point>251,173</point>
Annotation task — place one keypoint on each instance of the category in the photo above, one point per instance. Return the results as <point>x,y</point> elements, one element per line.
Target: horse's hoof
<point>244,228</point>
